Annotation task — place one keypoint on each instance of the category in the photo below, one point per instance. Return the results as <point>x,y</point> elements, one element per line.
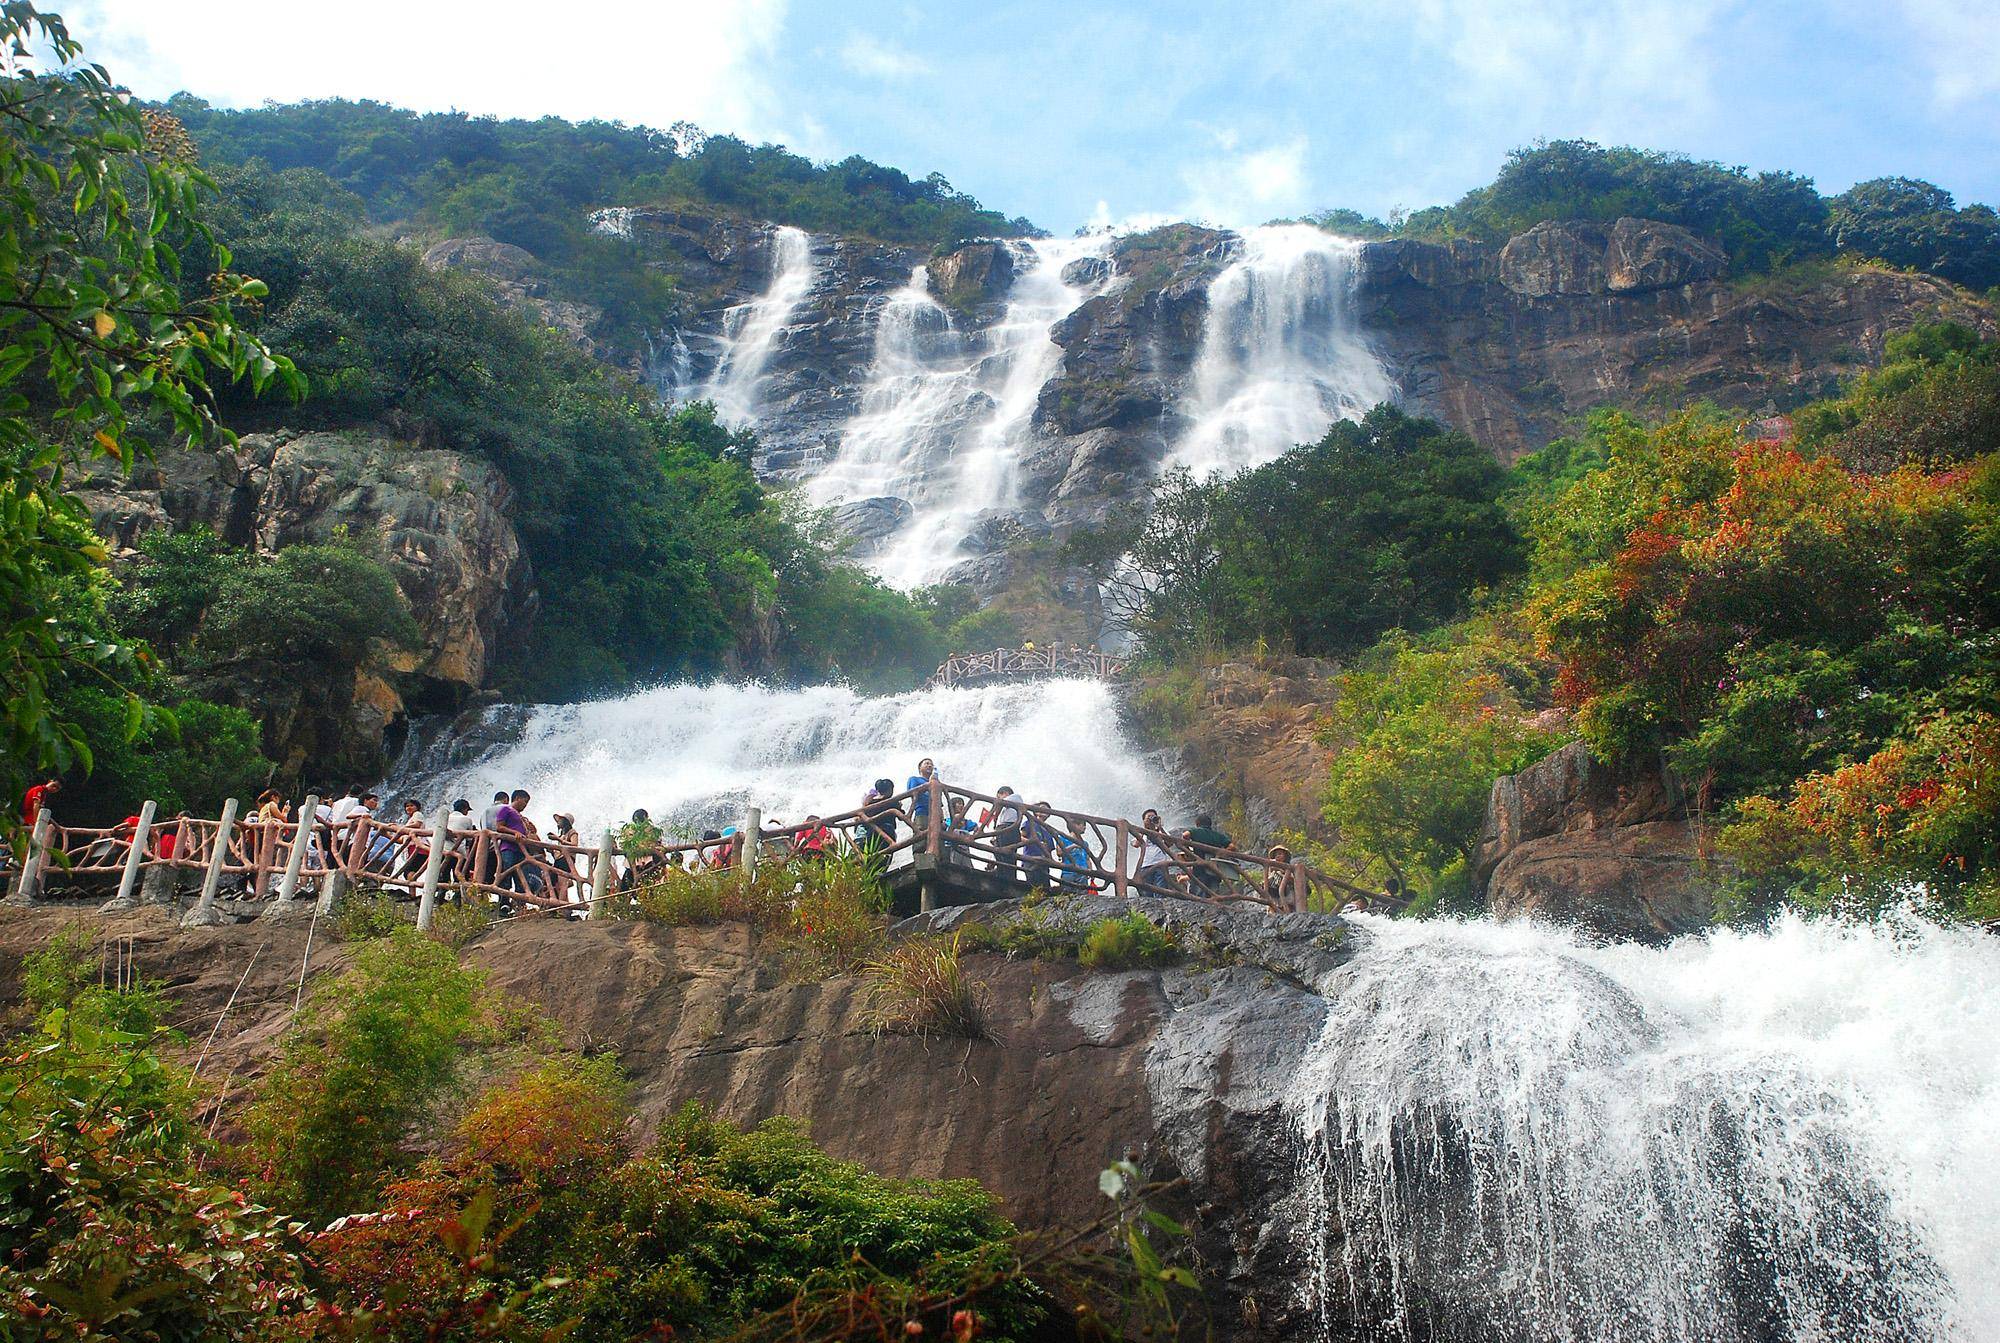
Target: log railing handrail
<point>553,875</point>
<point>1001,663</point>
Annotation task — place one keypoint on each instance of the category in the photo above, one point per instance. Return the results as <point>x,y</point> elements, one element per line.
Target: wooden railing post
<point>433,867</point>
<point>749,839</point>
<point>295,860</point>
<point>357,849</point>
<point>28,886</point>
<point>934,817</point>
<point>1120,882</point>
<point>203,915</point>
<point>135,859</point>
<point>1301,889</point>
<point>601,870</point>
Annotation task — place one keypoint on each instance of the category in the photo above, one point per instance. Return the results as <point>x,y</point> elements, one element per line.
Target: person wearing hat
<point>562,861</point>
<point>1278,879</point>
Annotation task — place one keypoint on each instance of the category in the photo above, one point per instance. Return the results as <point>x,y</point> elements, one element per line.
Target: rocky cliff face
<point>438,518</point>
<point>1184,1070</point>
<point>1617,852</point>
<point>1508,343</point>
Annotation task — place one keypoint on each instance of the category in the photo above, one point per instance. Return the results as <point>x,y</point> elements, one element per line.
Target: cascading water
<point>1508,1134</point>
<point>1281,354</point>
<point>945,413</point>
<point>696,756</point>
<point>752,332</point>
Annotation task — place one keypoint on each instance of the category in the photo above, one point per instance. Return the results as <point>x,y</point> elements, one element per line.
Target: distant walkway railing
<point>948,832</point>
<point>1026,662</point>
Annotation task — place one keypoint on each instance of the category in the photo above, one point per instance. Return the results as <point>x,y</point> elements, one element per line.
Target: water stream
<point>945,411</point>
<point>753,331</point>
<point>1507,1133</point>
<point>1282,356</point>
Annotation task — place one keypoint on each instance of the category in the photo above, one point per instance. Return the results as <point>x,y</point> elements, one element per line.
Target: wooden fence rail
<point>1026,663</point>
<point>946,832</point>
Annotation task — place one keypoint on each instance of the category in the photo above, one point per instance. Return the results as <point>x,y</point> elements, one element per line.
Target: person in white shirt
<point>459,825</point>
<point>1156,865</point>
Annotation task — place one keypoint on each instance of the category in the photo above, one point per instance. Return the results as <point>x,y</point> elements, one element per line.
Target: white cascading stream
<point>752,332</point>
<point>1510,1134</point>
<point>696,756</point>
<point>945,414</point>
<point>1281,355</point>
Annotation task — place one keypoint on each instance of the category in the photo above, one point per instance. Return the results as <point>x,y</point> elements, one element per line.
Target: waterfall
<point>945,413</point>
<point>1509,1134</point>
<point>1281,355</point>
<point>696,756</point>
<point>752,332</point>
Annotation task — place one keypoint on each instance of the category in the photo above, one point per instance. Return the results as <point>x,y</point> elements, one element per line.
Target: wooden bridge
<point>1026,663</point>
<point>939,844</point>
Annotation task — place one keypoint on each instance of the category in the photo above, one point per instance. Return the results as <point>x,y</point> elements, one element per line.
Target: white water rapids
<point>1510,1134</point>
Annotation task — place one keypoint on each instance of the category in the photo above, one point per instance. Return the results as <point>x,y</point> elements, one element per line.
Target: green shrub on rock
<point>1127,943</point>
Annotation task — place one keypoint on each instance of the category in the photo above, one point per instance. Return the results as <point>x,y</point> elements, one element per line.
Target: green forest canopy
<point>1763,220</point>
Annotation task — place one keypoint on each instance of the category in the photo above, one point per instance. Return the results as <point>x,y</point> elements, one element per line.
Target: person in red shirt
<point>36,798</point>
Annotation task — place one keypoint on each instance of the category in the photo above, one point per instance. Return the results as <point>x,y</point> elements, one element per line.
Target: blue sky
<point>1069,112</point>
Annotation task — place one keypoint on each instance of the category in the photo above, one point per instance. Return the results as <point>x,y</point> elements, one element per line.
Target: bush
<point>1127,943</point>
<point>919,987</point>
<point>364,915</point>
<point>456,924</point>
<point>836,921</point>
<point>373,1052</point>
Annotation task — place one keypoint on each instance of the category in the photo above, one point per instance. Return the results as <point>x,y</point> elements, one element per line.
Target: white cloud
<point>1960,41</point>
<point>872,58</point>
<point>651,63</point>
<point>1237,186</point>
<point>1603,67</point>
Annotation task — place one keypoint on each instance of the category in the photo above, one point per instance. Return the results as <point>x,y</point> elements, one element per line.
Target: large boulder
<point>1613,851</point>
<point>439,519</point>
<point>980,272</point>
<point>1586,257</point>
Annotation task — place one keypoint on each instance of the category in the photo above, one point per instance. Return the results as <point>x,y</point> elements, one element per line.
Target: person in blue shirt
<point>958,823</point>
<point>920,804</point>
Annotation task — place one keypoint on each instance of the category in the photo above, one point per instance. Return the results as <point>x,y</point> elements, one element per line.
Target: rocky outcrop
<point>1613,851</point>
<point>1511,343</point>
<point>439,519</point>
<point>1185,1070</point>
<point>975,274</point>
<point>1245,735</point>
<point>517,278</point>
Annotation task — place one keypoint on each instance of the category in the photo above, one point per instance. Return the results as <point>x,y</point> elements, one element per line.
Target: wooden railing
<point>1025,663</point>
<point>952,836</point>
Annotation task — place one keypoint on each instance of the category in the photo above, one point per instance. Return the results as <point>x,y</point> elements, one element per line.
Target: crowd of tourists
<point>501,849</point>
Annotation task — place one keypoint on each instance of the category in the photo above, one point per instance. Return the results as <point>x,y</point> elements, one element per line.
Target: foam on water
<point>1508,1133</point>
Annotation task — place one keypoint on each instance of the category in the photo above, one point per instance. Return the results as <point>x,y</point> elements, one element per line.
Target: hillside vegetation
<point>534,184</point>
